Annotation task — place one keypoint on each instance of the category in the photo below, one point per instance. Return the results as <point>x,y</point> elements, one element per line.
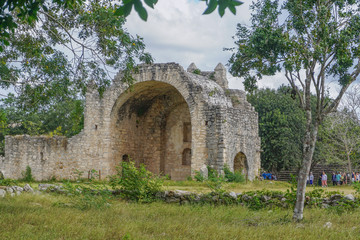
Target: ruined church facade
<point>173,121</point>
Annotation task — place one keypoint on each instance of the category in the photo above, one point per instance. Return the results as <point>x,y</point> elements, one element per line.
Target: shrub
<point>235,176</point>
<point>7,182</point>
<point>86,197</point>
<point>356,186</point>
<point>198,176</point>
<point>136,184</point>
<point>197,71</point>
<point>27,175</point>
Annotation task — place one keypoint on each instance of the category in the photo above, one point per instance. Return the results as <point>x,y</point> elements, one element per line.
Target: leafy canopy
<point>28,10</point>
<point>66,50</point>
<point>309,40</point>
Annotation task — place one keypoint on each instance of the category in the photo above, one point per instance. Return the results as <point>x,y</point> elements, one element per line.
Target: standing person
<point>333,178</point>
<point>345,178</point>
<point>324,180</point>
<point>338,177</point>
<point>311,178</point>
<point>353,177</point>
<point>341,179</point>
<point>319,179</point>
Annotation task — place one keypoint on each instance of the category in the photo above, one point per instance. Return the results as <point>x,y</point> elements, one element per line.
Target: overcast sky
<point>176,31</point>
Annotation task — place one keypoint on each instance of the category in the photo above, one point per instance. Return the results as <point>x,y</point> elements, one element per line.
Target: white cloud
<point>176,31</point>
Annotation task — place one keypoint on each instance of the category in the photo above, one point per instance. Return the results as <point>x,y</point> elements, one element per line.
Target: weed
<point>86,197</point>
<point>136,184</point>
<point>235,176</point>
<point>27,175</point>
<point>7,182</point>
<point>198,176</point>
<point>197,71</point>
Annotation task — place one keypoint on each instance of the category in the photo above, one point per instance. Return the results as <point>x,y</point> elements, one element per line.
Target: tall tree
<point>311,42</point>
<point>67,49</point>
<point>340,138</point>
<point>281,127</point>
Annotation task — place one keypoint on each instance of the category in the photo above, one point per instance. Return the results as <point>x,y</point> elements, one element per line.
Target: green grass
<point>202,187</point>
<point>39,217</point>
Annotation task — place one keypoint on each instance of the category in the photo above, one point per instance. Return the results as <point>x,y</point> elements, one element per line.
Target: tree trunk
<point>348,161</point>
<point>308,152</point>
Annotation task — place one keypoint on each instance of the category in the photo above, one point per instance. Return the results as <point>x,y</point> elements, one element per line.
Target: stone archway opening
<point>241,164</point>
<point>151,125</point>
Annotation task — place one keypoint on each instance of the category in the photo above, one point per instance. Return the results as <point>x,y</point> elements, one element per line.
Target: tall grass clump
<point>235,176</point>
<point>136,184</point>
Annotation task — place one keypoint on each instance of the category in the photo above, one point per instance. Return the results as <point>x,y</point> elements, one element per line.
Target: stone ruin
<point>173,121</point>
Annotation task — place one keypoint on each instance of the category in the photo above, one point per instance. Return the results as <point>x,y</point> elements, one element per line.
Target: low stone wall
<point>253,199</point>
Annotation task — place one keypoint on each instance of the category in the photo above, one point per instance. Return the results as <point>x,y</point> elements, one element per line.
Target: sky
<point>176,31</point>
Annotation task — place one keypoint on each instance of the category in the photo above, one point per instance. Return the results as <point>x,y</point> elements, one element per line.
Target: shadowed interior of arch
<point>241,164</point>
<point>152,126</point>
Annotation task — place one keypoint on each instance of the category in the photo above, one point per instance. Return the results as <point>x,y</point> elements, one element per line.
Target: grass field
<point>194,186</point>
<point>41,217</point>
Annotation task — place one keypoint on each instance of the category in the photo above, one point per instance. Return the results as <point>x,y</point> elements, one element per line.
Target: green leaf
<point>124,10</point>
<point>221,9</point>
<point>45,8</point>
<point>232,9</point>
<point>150,3</point>
<point>139,8</point>
<point>236,3</point>
<point>211,7</point>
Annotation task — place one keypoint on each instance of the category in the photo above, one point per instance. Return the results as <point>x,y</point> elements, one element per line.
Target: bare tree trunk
<point>349,161</point>
<point>308,152</point>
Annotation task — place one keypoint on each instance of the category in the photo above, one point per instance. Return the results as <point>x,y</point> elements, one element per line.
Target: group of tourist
<point>338,178</point>
<point>268,176</point>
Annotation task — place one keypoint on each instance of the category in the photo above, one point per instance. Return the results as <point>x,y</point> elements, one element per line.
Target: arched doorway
<point>240,163</point>
<point>151,124</point>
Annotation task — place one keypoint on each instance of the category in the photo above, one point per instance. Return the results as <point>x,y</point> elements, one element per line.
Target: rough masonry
<point>173,121</point>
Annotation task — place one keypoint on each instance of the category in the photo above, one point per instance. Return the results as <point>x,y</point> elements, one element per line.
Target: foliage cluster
<point>215,176</point>
<point>86,196</point>
<point>136,183</point>
<point>27,175</point>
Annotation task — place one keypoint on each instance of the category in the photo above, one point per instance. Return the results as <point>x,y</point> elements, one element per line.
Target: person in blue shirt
<point>338,177</point>
<point>311,178</point>
<point>333,178</point>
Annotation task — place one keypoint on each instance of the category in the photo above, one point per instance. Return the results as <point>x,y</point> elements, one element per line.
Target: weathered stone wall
<point>171,120</point>
<point>45,155</point>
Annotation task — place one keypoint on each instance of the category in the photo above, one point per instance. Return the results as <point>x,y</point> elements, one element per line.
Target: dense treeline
<point>281,127</point>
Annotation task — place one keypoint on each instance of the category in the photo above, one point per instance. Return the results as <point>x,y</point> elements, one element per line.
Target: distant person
<point>338,177</point>
<point>324,180</point>
<point>319,179</point>
<point>308,180</point>
<point>311,178</point>
<point>333,178</point>
<point>353,177</point>
<point>341,179</point>
<point>264,176</point>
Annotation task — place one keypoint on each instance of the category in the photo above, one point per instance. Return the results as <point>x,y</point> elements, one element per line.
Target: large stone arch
<point>151,123</point>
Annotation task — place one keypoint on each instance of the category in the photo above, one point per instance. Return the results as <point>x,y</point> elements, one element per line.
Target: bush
<point>198,176</point>
<point>235,176</point>
<point>356,186</point>
<point>27,175</point>
<point>8,182</point>
<point>86,197</point>
<point>136,184</point>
